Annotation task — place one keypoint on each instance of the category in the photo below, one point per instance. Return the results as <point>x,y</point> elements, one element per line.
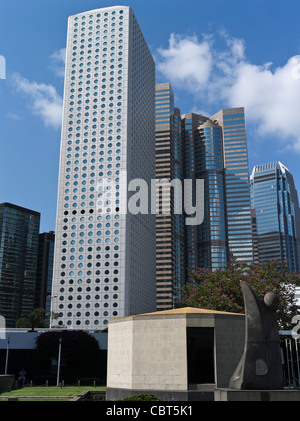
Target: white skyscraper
<point>104,263</point>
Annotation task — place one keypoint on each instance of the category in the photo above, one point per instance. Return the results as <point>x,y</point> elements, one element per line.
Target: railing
<point>290,349</point>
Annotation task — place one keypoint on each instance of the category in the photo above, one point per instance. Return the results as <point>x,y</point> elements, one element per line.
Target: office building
<point>170,258</point>
<point>212,241</point>
<point>237,183</point>
<point>275,201</point>
<point>255,239</point>
<point>19,234</point>
<point>190,123</point>
<point>44,272</point>
<point>215,150</point>
<point>104,260</point>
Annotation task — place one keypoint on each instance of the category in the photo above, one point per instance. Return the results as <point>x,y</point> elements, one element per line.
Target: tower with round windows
<point>104,262</point>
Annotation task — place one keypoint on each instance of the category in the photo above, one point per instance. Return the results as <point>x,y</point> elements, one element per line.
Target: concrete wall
<point>229,347</point>
<point>119,358</point>
<point>147,353</point>
<point>159,350</point>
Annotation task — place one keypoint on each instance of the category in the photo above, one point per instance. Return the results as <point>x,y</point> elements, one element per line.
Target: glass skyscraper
<point>212,242</point>
<point>190,124</point>
<point>275,201</point>
<point>19,237</point>
<point>104,260</point>
<point>237,183</point>
<point>215,150</point>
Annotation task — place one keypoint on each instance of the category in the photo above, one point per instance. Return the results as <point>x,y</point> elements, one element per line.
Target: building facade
<point>237,183</point>
<point>19,234</point>
<point>190,124</point>
<point>275,201</point>
<point>44,271</point>
<point>170,258</point>
<point>212,240</point>
<point>104,260</point>
<point>212,149</point>
<point>215,150</point>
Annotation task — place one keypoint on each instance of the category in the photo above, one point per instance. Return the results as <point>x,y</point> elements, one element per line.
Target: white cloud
<point>187,62</point>
<point>58,61</point>
<point>271,99</point>
<point>225,78</point>
<point>44,100</point>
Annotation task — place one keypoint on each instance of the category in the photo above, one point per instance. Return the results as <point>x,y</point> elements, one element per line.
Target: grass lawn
<point>51,391</point>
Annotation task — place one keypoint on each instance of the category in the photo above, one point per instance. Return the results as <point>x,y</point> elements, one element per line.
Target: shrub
<point>79,352</point>
<point>142,397</point>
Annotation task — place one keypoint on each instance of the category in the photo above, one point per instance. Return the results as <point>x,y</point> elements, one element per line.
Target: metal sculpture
<point>260,367</point>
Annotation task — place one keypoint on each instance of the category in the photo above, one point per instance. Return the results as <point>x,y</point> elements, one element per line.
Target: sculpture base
<point>232,395</point>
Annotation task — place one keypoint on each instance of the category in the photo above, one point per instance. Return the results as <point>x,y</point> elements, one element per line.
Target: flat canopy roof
<point>180,311</point>
<point>189,310</point>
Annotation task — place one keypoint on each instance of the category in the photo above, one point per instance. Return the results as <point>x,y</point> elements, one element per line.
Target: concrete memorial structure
<point>181,354</point>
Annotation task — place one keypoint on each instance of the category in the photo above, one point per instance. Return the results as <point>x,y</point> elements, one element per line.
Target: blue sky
<point>216,55</point>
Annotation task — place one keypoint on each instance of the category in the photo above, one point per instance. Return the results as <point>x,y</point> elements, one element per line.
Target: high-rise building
<point>170,264</point>
<point>212,241</point>
<point>44,272</point>
<point>275,201</point>
<point>19,236</point>
<point>190,124</point>
<point>255,239</point>
<point>204,150</point>
<point>237,183</point>
<point>104,260</point>
<point>215,150</point>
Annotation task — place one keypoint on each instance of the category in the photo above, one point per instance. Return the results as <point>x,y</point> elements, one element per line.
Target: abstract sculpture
<point>260,367</point>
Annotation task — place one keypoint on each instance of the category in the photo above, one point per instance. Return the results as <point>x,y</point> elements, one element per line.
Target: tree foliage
<point>79,351</point>
<point>36,319</point>
<point>77,345</point>
<point>220,289</point>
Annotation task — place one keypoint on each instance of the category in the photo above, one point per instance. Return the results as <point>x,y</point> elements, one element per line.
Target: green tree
<point>220,289</point>
<point>79,351</point>
<point>36,319</point>
<point>22,323</point>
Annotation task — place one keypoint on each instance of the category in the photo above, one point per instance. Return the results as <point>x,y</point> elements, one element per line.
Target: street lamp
<point>7,351</point>
<point>58,363</point>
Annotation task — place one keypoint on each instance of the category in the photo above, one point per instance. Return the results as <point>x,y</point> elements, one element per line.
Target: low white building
<point>181,354</point>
